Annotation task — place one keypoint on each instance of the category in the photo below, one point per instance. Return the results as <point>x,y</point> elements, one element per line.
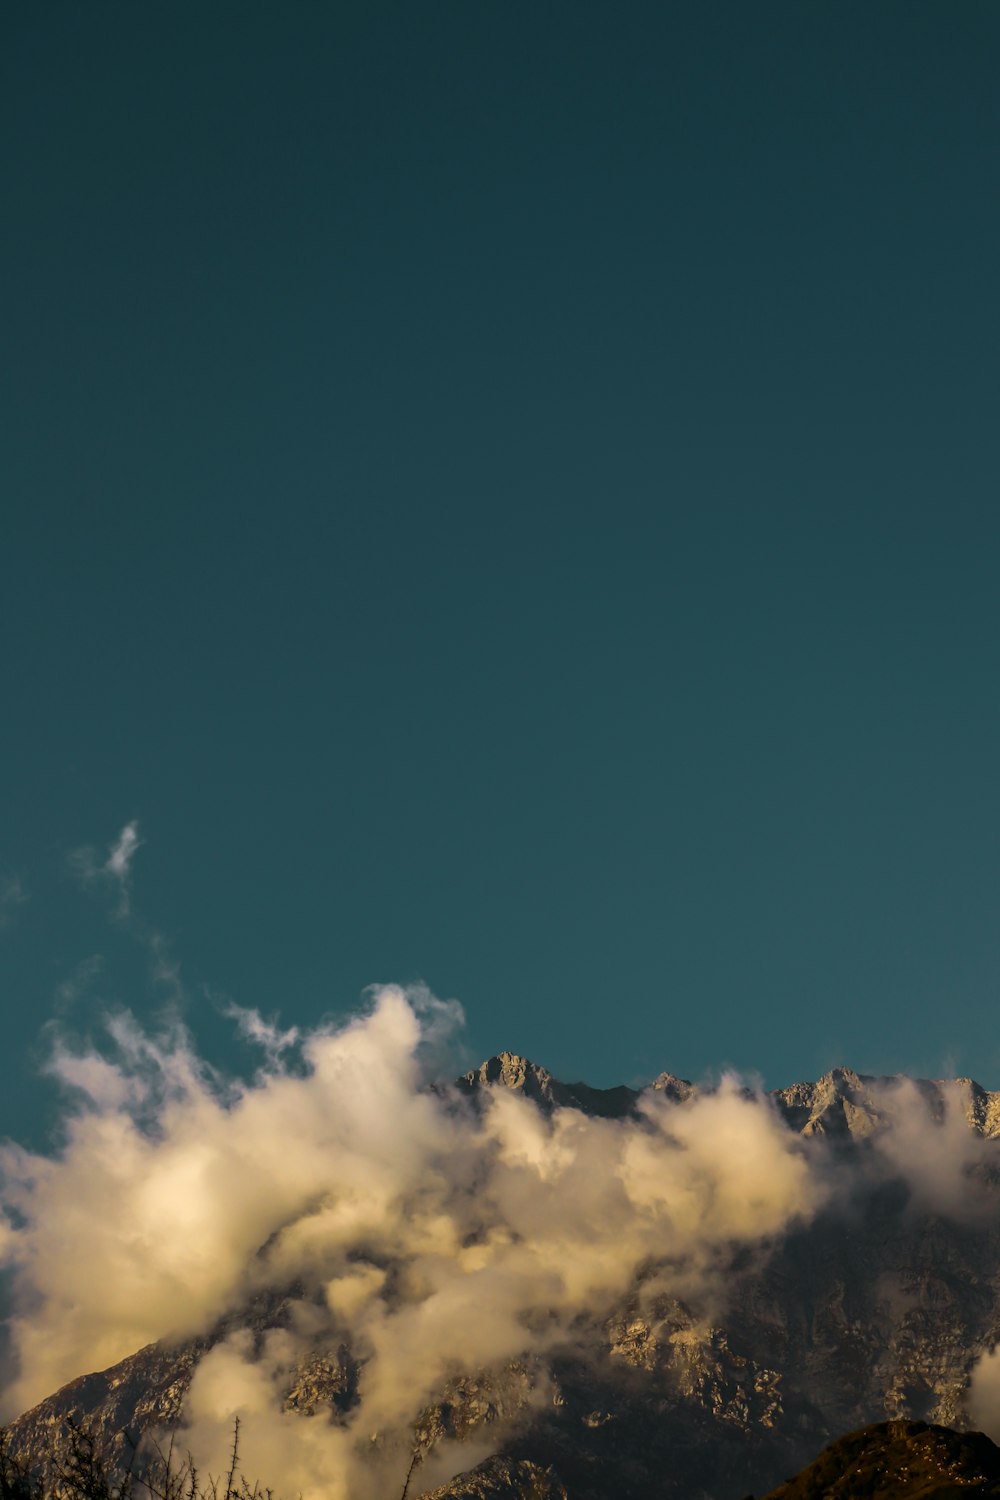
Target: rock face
<point>848,1105</point>
<point>878,1309</point>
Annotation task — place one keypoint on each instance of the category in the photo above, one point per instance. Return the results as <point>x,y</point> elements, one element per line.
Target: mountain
<point>899,1461</point>
<point>509,1071</point>
<point>876,1308</point>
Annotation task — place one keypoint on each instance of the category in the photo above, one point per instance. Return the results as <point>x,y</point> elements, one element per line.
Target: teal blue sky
<point>506,495</point>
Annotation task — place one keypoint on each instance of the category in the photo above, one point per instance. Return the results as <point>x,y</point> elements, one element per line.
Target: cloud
<point>926,1140</point>
<point>115,870</point>
<point>70,990</point>
<point>122,852</point>
<point>406,1215</point>
<point>113,874</point>
<point>432,1235</point>
<point>983,1400</point>
<point>12,896</point>
<point>267,1035</point>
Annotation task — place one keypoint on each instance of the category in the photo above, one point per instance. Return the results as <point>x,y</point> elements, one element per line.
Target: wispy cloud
<point>122,852</point>
<point>114,871</point>
<point>110,871</point>
<point>265,1034</point>
<point>164,966</point>
<point>12,896</point>
<point>70,990</point>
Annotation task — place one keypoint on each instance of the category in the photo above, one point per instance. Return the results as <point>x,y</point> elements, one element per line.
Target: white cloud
<point>926,1141</point>
<point>408,1217</point>
<point>267,1035</point>
<point>983,1400</point>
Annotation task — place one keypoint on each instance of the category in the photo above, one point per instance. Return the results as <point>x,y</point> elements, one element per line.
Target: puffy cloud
<point>407,1217</point>
<point>411,1216</point>
<point>984,1394</point>
<point>926,1140</point>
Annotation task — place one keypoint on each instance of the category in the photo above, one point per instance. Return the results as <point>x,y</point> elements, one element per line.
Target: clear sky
<point>505,494</point>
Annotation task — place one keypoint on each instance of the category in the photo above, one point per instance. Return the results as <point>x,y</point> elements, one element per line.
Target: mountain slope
<point>899,1461</point>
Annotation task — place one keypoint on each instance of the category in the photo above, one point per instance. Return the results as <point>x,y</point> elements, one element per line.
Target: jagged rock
<point>845,1104</point>
<point>512,1072</point>
<point>142,1394</point>
<point>672,1087</point>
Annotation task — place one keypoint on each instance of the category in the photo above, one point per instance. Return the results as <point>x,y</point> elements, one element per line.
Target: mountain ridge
<point>839,1101</point>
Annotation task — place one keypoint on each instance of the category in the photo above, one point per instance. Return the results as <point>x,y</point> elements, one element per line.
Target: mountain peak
<point>900,1459</point>
<point>842,1104</point>
<point>510,1070</point>
<point>673,1087</point>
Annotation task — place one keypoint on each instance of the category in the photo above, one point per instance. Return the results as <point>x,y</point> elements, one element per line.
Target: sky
<point>503,496</point>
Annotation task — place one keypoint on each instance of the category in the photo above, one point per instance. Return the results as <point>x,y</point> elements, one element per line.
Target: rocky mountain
<point>899,1461</point>
<point>509,1071</point>
<point>876,1309</point>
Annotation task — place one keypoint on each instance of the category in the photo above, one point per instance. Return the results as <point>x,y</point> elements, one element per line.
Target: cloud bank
<point>430,1237</point>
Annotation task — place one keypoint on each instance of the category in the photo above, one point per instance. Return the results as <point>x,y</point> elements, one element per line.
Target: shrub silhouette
<point>80,1474</point>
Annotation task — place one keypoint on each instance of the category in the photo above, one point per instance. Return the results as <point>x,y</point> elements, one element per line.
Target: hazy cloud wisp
<point>115,870</point>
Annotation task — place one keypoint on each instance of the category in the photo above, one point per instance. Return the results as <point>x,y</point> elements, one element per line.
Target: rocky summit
<point>899,1461</point>
<point>873,1312</point>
